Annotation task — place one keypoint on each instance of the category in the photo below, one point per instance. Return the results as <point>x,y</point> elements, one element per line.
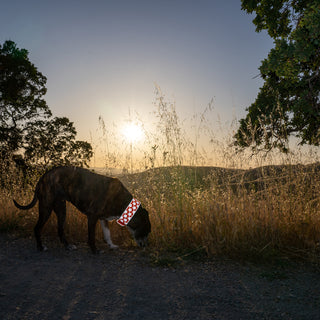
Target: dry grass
<point>251,214</point>
<point>256,213</point>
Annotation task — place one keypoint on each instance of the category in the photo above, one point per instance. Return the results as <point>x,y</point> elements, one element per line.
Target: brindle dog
<point>97,196</point>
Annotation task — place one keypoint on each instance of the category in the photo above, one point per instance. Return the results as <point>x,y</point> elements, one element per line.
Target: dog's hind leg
<point>92,221</point>
<point>106,234</point>
<point>44,214</point>
<point>59,208</point>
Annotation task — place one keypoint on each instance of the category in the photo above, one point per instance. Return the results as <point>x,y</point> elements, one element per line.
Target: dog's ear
<point>141,221</point>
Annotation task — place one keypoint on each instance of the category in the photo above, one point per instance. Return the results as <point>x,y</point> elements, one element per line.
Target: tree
<point>52,142</point>
<point>288,102</point>
<point>22,88</point>
<point>26,123</point>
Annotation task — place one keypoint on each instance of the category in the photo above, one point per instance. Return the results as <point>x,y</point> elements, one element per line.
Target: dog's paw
<point>110,244</point>
<point>42,248</point>
<point>71,247</point>
<point>98,252</point>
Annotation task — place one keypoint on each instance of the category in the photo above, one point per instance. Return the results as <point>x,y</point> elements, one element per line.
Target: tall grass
<point>230,209</point>
<point>243,213</point>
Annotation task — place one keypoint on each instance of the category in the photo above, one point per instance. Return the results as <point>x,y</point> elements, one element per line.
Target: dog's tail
<point>30,205</point>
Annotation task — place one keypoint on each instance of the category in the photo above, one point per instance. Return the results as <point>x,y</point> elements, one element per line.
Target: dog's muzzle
<point>142,242</point>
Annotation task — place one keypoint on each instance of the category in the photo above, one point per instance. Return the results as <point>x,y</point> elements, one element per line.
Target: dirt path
<point>123,285</point>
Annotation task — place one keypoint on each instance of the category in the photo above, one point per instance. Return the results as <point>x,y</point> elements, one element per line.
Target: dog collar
<point>129,212</point>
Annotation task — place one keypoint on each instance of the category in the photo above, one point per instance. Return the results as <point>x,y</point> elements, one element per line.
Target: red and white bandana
<point>129,212</point>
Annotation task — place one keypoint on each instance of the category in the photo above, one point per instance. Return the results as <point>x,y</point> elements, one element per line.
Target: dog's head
<point>140,226</point>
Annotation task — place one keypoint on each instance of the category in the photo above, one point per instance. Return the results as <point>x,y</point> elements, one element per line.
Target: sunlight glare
<point>132,132</point>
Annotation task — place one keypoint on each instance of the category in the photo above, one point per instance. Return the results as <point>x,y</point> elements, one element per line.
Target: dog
<point>98,197</point>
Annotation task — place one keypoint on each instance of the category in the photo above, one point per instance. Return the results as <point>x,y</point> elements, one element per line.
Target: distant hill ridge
<point>204,177</point>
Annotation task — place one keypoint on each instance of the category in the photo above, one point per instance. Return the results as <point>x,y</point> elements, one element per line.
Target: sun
<point>132,132</point>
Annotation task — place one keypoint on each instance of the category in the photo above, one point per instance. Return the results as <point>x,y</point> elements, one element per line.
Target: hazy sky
<point>104,57</point>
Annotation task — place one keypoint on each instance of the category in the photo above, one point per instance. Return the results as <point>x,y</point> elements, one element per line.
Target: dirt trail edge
<point>123,285</point>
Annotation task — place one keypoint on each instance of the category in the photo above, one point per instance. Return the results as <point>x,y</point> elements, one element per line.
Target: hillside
<point>202,178</point>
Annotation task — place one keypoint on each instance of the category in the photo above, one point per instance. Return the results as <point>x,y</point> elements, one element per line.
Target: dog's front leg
<point>106,234</point>
<point>92,221</point>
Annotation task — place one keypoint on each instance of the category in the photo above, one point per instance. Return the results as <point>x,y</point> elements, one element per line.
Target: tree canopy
<point>288,102</point>
<point>26,122</point>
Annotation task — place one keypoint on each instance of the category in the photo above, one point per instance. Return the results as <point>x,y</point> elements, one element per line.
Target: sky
<point>104,58</point>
